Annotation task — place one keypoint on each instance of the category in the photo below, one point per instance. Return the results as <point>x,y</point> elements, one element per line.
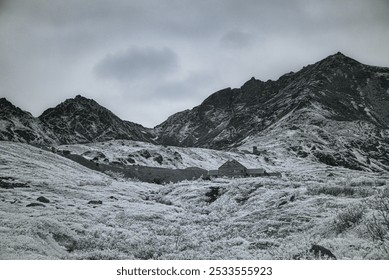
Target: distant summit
<point>83,120</point>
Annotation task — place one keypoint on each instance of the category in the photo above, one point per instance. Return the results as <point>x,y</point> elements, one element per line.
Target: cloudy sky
<point>145,60</point>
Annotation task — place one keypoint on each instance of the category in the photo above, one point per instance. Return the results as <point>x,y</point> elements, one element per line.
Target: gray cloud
<point>137,63</point>
<point>52,50</point>
<point>236,39</point>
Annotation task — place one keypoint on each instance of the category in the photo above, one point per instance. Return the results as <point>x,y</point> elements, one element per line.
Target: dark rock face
<point>21,126</point>
<point>83,120</point>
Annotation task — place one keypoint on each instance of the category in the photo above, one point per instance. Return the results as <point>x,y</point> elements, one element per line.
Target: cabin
<point>233,168</point>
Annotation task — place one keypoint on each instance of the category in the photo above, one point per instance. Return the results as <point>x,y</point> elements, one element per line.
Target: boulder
<point>43,199</point>
<point>95,202</point>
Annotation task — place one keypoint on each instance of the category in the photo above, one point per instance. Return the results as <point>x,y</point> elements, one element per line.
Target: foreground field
<point>88,215</point>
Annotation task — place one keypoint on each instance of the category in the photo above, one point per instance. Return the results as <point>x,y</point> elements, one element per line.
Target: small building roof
<point>232,163</point>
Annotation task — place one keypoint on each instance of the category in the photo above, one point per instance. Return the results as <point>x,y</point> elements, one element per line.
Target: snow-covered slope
<point>53,208</point>
<point>51,229</point>
<point>140,153</point>
<point>126,152</point>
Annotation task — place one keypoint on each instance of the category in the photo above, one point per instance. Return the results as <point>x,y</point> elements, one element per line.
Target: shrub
<point>348,218</point>
<point>339,191</point>
<point>378,224</point>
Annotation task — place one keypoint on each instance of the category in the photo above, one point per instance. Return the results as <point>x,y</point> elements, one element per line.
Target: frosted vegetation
<point>90,215</point>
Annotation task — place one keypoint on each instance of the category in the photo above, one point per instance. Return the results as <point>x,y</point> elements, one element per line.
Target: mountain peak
<point>80,97</point>
<point>7,108</point>
<point>82,120</point>
<point>340,58</point>
<point>339,54</point>
<point>4,102</point>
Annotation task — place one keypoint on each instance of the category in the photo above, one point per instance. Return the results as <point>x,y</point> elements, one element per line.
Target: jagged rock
<point>158,159</point>
<point>131,160</point>
<point>145,153</point>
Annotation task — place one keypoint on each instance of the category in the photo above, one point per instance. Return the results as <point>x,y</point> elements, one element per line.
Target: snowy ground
<point>247,218</point>
<point>172,157</point>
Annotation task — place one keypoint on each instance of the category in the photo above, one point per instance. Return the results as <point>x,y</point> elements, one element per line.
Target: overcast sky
<point>145,60</point>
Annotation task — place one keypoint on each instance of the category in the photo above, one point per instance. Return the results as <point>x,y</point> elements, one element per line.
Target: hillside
<point>53,208</point>
<point>129,153</point>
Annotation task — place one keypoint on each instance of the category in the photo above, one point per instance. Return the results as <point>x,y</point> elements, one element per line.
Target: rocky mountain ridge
<point>76,120</point>
<point>345,88</point>
<point>334,111</point>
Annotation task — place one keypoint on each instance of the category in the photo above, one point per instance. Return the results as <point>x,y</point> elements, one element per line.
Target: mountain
<point>83,120</point>
<point>334,111</point>
<point>20,126</point>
